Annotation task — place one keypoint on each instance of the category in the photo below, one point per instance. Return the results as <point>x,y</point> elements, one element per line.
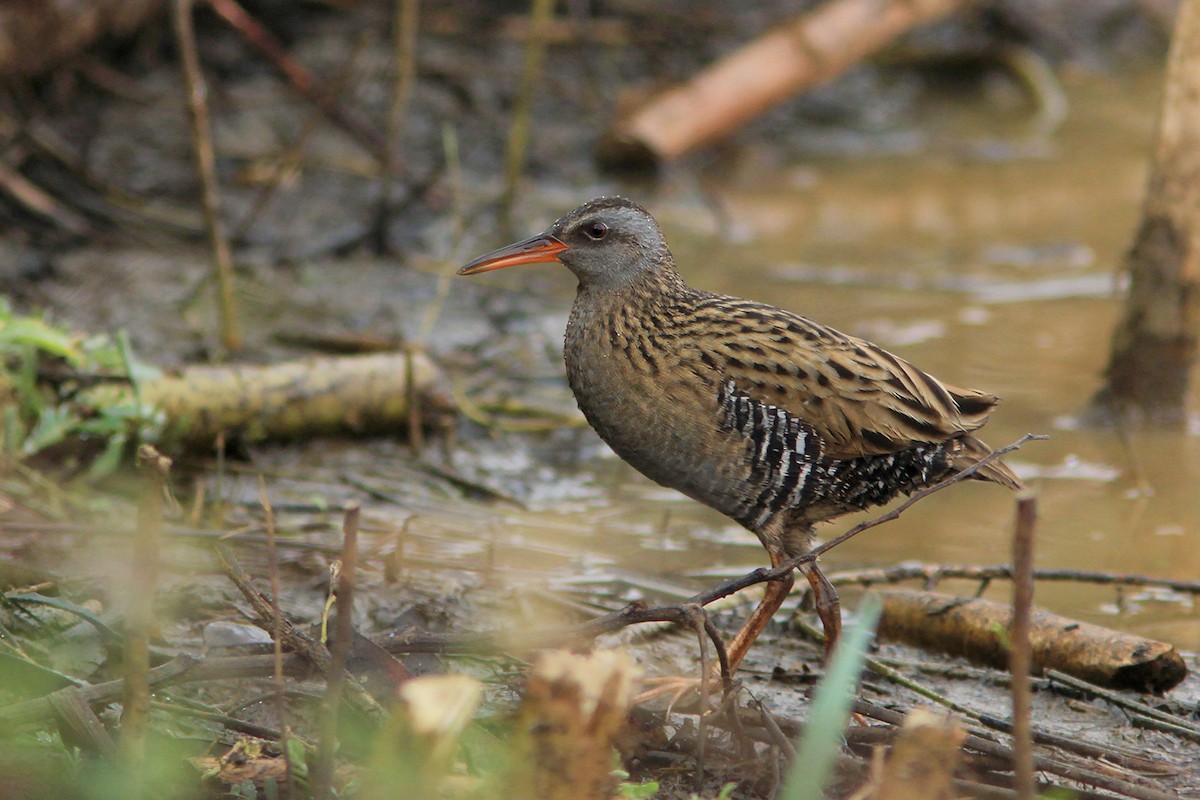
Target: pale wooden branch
<point>803,51</point>
<point>358,394</point>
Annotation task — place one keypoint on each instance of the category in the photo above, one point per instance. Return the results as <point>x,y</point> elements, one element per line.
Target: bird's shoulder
<point>861,399</point>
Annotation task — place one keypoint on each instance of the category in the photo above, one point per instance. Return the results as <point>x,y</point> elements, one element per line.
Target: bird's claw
<point>680,687</point>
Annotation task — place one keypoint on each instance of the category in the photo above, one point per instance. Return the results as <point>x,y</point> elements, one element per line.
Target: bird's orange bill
<point>531,251</point>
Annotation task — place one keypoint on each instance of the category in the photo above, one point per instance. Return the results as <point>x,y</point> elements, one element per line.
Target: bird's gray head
<point>609,243</point>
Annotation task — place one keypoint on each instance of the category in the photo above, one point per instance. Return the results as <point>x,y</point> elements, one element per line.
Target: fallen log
<point>975,629</point>
<point>801,52</point>
<point>347,394</point>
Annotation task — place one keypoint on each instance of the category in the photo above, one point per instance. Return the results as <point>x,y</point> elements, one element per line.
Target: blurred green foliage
<point>69,398</point>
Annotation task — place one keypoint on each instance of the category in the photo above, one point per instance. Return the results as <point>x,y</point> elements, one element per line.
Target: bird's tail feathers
<point>972,452</point>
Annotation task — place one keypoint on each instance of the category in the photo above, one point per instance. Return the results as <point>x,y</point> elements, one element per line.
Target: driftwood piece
<point>355,394</point>
<point>575,707</point>
<point>974,629</point>
<point>801,52</point>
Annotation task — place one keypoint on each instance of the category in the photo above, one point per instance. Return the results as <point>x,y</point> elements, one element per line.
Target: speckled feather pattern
<point>767,416</point>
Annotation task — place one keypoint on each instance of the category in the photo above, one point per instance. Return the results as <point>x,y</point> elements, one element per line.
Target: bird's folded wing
<point>861,399</point>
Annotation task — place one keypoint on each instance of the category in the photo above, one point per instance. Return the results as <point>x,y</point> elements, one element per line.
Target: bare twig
<point>141,606</point>
<point>1021,655</point>
<point>1121,700</point>
<point>307,647</point>
<point>697,616</point>
<point>293,639</point>
<point>416,438</point>
<point>40,202</point>
<point>197,103</point>
<point>79,725</point>
<point>276,636</point>
<point>896,676</point>
<point>932,573</point>
<point>181,669</point>
<point>298,76</point>
<point>798,53</point>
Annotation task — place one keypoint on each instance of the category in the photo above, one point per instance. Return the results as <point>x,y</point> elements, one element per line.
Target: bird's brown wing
<point>861,399</point>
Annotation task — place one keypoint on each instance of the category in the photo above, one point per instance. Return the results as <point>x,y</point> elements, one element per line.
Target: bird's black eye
<point>596,230</point>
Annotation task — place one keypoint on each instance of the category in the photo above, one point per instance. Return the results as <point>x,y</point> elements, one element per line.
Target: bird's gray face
<point>608,243</point>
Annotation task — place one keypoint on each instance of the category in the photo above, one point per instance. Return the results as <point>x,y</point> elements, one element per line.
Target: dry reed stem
<point>276,635</point>
<point>405,25</point>
<point>1021,656</point>
<point>197,104</point>
<point>339,652</point>
<point>143,580</point>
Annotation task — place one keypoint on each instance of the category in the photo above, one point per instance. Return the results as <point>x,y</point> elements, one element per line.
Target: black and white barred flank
<point>788,470</point>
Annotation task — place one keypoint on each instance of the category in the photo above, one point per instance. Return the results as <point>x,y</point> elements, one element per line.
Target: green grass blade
<point>822,738</point>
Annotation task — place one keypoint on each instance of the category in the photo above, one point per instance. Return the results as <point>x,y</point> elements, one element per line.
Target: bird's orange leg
<point>829,606</point>
<point>776,592</point>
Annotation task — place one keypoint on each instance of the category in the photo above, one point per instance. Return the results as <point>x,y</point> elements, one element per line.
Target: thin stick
<point>277,635</point>
<point>39,201</point>
<point>518,134</point>
<point>298,76</point>
<point>416,438</point>
<point>1120,700</point>
<point>339,654</point>
<point>144,576</point>
<point>454,179</point>
<point>304,645</point>
<point>1021,656</point>
<point>896,676</point>
<point>197,91</point>
<point>936,572</point>
<point>696,614</point>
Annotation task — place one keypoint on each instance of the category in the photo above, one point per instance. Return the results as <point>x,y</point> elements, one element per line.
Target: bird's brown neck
<point>654,286</point>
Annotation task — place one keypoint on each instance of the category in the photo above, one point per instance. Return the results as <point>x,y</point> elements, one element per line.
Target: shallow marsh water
<point>988,257</point>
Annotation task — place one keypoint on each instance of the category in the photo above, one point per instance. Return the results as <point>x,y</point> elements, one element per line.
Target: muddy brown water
<point>987,258</point>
